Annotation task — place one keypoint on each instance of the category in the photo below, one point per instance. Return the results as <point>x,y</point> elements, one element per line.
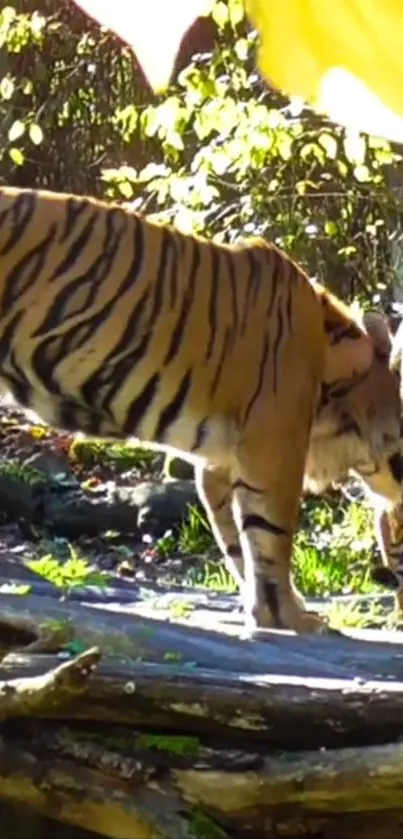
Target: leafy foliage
<point>236,160</point>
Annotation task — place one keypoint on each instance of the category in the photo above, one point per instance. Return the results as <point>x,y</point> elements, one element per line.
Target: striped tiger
<point>229,355</point>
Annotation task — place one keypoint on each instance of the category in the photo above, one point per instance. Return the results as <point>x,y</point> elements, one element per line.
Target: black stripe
<point>223,503</point>
<point>276,275</point>
<point>339,388</point>
<point>7,334</point>
<point>224,353</point>
<point>21,211</point>
<point>54,348</point>
<point>119,363</point>
<point>233,288</point>
<point>271,597</point>
<point>200,435</point>
<point>234,551</point>
<point>99,270</point>
<point>62,309</point>
<point>160,281</point>
<point>177,245</point>
<point>10,371</point>
<point>76,248</point>
<point>212,309</point>
<point>276,347</point>
<point>248,295</point>
<point>253,520</point>
<point>140,405</point>
<point>289,307</point>
<point>262,368</point>
<point>74,208</point>
<point>396,467</point>
<point>170,414</point>
<point>186,303</point>
<point>240,484</point>
<point>25,273</point>
<point>255,277</point>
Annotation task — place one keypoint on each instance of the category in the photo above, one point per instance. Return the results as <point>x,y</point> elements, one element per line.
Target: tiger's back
<point>118,327</point>
<point>109,324</point>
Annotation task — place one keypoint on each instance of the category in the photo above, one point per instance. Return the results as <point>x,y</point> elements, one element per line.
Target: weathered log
<point>208,734</point>
<point>38,694</point>
<point>288,692</point>
<point>125,783</point>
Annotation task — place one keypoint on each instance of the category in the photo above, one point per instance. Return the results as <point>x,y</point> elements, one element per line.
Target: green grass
<point>333,549</point>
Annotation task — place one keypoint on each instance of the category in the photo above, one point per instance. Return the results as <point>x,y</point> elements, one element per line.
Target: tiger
<point>229,355</point>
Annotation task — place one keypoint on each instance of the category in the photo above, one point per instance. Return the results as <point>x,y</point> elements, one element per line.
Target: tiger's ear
<point>376,325</point>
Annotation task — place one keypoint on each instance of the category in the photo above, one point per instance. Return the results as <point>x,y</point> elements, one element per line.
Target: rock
<point>163,506</point>
<point>177,468</point>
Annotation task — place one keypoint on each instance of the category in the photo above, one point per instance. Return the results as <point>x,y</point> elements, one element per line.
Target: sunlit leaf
<point>6,87</point>
<point>17,129</point>
<point>35,133</point>
<point>17,156</point>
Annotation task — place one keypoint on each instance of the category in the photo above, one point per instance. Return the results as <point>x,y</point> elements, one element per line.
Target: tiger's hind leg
<point>214,489</point>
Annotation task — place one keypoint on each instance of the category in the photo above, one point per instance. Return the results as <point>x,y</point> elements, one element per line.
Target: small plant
<point>195,535</point>
<point>167,545</point>
<point>333,549</point>
<point>73,573</point>
<point>212,574</point>
<point>22,473</point>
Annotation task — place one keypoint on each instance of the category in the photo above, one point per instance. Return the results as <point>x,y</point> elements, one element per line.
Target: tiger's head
<point>357,424</point>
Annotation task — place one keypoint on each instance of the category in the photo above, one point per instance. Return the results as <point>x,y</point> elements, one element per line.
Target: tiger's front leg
<point>266,496</point>
<point>389,532</point>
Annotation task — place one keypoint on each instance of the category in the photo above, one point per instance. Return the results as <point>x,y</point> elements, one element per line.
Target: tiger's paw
<point>292,617</point>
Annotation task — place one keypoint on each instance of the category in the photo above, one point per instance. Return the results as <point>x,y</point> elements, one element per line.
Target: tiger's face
<point>357,426</point>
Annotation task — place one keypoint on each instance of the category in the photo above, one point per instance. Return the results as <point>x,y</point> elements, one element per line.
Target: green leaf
<point>35,134</point>
<point>17,129</point>
<point>17,156</point>
<point>329,144</point>
<point>330,228</point>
